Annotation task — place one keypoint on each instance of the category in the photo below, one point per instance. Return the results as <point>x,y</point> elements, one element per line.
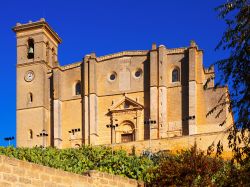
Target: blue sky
<point>104,26</point>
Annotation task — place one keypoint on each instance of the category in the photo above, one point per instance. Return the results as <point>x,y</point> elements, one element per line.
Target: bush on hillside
<point>84,159</point>
<point>194,168</point>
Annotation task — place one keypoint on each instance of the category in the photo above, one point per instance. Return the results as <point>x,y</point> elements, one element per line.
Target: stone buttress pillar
<point>86,99</point>
<point>162,77</point>
<point>192,87</point>
<point>92,105</point>
<point>57,109</point>
<point>154,92</point>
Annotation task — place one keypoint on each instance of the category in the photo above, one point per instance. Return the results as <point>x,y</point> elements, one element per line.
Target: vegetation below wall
<point>186,168</point>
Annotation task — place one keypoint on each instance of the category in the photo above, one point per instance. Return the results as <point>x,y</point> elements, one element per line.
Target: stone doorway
<point>127,138</point>
<point>125,132</point>
<point>126,114</point>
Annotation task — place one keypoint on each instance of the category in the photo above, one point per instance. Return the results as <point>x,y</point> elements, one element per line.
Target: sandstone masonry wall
<point>178,143</point>
<point>19,173</point>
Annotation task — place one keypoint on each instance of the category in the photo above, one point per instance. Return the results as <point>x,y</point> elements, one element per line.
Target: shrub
<point>85,158</point>
<point>186,168</point>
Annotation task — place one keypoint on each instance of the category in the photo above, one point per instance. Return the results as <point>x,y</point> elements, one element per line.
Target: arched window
<point>30,49</point>
<point>78,88</point>
<point>175,75</point>
<point>30,97</point>
<point>30,135</point>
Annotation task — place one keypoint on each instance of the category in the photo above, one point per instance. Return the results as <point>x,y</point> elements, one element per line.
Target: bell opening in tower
<point>31,49</point>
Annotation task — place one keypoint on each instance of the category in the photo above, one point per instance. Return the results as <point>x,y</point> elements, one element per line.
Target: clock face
<point>29,76</point>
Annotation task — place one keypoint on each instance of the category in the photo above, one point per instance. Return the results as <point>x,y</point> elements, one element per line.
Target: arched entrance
<point>125,132</point>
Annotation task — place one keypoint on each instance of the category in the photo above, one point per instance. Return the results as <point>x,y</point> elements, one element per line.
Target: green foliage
<point>236,71</point>
<point>85,158</point>
<point>233,175</point>
<point>186,168</point>
<point>194,168</point>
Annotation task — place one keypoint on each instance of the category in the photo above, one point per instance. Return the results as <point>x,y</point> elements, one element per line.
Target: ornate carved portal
<point>125,115</point>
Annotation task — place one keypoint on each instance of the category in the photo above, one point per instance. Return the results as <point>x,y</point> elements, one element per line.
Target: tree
<point>236,72</point>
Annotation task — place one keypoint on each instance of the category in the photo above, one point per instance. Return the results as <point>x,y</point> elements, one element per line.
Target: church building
<point>126,96</point>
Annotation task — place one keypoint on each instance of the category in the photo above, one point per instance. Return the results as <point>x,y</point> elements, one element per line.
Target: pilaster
<point>92,104</point>
<point>192,88</point>
<point>162,92</point>
<point>85,103</point>
<point>57,108</point>
<point>154,91</point>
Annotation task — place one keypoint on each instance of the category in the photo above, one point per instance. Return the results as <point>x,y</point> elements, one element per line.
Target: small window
<point>30,49</point>
<point>30,97</point>
<point>30,135</point>
<point>78,88</point>
<point>175,75</point>
<point>138,73</point>
<point>112,77</point>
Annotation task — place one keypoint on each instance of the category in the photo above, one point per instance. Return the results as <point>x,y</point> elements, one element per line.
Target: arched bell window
<point>78,88</point>
<point>175,75</point>
<point>31,49</point>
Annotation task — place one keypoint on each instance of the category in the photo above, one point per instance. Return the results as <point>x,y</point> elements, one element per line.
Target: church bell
<point>31,50</point>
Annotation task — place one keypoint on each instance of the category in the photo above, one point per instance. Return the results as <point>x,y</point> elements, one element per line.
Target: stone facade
<point>76,104</point>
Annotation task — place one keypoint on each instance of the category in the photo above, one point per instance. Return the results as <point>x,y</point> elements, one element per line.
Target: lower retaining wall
<point>174,144</point>
<point>19,173</point>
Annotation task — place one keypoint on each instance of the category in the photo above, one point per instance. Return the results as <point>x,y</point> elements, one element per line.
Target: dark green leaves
<point>236,71</point>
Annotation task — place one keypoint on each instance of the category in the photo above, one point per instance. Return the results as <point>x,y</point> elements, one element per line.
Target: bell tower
<point>37,47</point>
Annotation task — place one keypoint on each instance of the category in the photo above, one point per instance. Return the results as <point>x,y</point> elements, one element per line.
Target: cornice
<point>70,66</point>
<point>32,63</point>
<point>176,50</point>
<point>38,24</point>
<point>123,53</point>
<point>137,106</point>
<point>29,108</point>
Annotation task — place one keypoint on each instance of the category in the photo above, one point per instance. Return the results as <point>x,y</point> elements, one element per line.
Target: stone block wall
<point>19,173</point>
<point>173,144</point>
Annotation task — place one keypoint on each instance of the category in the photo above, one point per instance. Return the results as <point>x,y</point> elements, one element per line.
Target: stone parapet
<point>174,144</point>
<point>123,53</point>
<point>15,172</point>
